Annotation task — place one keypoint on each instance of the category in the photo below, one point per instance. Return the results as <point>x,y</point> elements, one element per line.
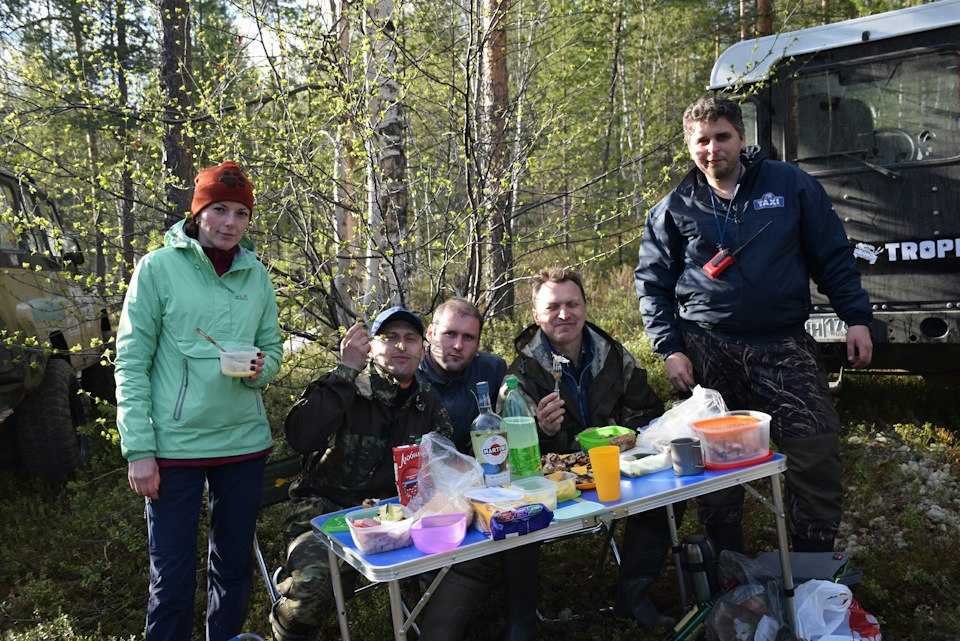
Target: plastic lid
<point>730,466</point>
<point>726,423</point>
<point>511,381</point>
<point>483,387</point>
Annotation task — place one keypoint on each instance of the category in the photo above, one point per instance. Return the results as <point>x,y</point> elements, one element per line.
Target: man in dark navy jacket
<point>736,325</point>
<point>454,365</point>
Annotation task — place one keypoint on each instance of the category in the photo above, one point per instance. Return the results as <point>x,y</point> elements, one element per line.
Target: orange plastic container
<point>734,439</point>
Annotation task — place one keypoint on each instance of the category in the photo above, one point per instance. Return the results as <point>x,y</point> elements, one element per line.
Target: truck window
<point>39,230</point>
<point>885,112</point>
<point>8,235</point>
<point>749,110</point>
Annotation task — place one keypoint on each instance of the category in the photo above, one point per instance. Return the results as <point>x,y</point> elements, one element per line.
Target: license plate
<point>826,328</point>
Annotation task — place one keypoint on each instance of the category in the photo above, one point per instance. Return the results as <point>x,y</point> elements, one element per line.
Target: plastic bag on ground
<point>445,474</point>
<point>675,422</point>
<point>821,607</point>
<point>748,613</point>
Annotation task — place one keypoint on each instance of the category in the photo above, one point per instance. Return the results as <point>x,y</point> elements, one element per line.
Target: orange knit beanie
<point>223,182</point>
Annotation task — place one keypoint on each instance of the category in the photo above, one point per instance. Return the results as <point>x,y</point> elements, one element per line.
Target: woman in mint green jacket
<point>183,424</point>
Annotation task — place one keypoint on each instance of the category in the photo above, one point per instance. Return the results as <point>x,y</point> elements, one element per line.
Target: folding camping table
<point>637,495</point>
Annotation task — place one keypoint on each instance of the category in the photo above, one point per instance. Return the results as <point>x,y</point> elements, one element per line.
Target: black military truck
<point>51,331</point>
<point>871,108</point>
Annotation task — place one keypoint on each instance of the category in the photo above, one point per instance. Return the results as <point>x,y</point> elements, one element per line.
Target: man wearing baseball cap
<point>344,426</point>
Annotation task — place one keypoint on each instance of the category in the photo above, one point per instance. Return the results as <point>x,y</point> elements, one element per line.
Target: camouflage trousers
<point>305,587</point>
<point>785,379</point>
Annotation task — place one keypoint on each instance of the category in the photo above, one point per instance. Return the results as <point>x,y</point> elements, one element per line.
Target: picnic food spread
<point>578,463</point>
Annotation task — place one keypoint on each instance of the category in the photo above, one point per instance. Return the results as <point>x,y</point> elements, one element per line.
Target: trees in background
<point>401,152</point>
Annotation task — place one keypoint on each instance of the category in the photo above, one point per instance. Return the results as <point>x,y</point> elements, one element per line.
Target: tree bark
<point>125,203</point>
<point>386,174</point>
<point>174,78</point>
<point>764,18</point>
<point>494,145</point>
<point>344,195</point>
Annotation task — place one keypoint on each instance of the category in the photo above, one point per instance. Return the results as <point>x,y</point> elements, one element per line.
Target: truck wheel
<point>98,381</point>
<point>47,422</point>
<point>9,456</point>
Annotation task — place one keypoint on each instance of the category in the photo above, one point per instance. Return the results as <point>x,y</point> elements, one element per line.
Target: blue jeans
<point>173,520</point>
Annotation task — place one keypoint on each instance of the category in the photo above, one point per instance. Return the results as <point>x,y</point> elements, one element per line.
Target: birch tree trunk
<point>345,223</point>
<point>174,78</point>
<point>386,173</point>
<point>494,148</point>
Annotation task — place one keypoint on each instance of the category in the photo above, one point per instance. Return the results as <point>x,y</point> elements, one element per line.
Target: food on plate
<point>624,441</point>
<point>553,462</point>
<point>578,463</point>
<point>584,474</point>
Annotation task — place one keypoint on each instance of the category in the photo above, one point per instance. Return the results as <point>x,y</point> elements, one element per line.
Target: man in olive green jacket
<point>599,384</point>
<point>345,425</point>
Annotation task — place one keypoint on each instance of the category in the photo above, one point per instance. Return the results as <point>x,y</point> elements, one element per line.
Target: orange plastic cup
<point>605,461</point>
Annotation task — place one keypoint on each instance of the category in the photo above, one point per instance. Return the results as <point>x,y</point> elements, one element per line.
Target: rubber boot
<point>281,633</point>
<point>809,545</point>
<point>520,569</point>
<point>458,594</point>
<point>642,554</point>
<point>726,536</point>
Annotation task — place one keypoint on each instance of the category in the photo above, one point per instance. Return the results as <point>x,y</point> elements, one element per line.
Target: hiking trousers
<point>785,379</point>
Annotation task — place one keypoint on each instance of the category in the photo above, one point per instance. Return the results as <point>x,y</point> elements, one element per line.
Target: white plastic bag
<point>675,422</point>
<point>821,607</point>
<point>445,474</point>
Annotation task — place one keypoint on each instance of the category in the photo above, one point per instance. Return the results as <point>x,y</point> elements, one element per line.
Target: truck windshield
<point>877,113</point>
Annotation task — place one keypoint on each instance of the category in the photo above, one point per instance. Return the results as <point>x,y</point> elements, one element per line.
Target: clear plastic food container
<point>389,535</point>
<point>734,439</point>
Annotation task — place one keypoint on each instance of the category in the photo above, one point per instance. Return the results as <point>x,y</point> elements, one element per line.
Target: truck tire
<point>47,420</point>
<point>98,381</point>
<point>9,456</point>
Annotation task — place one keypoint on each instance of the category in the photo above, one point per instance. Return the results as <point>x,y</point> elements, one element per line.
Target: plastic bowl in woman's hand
<point>236,361</point>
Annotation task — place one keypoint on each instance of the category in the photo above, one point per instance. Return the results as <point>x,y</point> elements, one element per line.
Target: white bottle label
<point>494,450</point>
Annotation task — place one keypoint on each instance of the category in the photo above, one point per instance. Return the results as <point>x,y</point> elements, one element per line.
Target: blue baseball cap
<point>396,314</point>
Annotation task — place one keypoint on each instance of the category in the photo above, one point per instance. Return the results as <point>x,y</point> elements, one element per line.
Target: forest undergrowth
<point>74,565</point>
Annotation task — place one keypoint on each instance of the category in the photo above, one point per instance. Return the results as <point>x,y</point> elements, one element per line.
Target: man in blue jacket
<point>736,325</point>
<point>453,365</point>
<point>450,371</point>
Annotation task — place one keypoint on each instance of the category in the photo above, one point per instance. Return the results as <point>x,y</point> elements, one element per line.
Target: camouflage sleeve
<point>321,410</point>
<point>441,421</point>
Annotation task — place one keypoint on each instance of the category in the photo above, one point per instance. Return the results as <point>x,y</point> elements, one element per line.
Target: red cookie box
<point>406,469</point>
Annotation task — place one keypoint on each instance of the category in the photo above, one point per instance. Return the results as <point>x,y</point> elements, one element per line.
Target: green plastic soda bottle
<point>521,432</point>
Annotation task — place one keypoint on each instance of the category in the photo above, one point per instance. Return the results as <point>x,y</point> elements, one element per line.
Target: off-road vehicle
<point>51,330</point>
<point>871,108</point>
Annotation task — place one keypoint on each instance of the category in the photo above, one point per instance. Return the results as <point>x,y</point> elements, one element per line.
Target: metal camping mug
<point>687,456</point>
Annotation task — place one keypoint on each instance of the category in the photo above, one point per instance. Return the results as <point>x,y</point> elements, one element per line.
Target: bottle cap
<point>483,387</point>
<point>511,381</point>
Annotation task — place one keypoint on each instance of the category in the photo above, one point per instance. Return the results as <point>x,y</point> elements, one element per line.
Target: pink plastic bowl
<point>439,533</point>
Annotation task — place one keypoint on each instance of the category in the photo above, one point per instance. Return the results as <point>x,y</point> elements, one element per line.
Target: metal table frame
<point>641,494</point>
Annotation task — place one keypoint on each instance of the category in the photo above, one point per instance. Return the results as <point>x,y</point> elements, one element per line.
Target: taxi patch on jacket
<point>768,201</point>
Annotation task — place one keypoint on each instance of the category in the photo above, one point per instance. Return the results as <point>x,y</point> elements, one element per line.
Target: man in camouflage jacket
<point>345,425</point>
